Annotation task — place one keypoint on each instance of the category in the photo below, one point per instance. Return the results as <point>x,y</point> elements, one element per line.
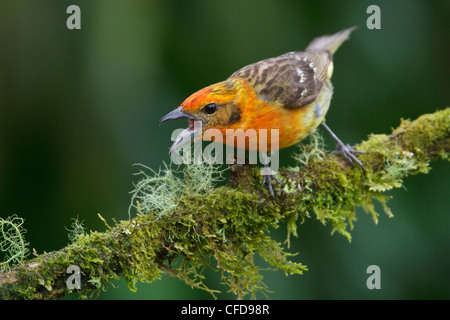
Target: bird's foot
<point>349,152</point>
<point>267,180</point>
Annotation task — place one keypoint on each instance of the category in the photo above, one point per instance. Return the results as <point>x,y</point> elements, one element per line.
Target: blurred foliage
<point>79,107</point>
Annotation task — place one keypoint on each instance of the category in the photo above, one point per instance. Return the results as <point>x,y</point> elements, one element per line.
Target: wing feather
<point>293,79</point>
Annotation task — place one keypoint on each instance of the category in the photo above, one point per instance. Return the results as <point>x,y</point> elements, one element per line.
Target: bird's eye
<point>210,108</point>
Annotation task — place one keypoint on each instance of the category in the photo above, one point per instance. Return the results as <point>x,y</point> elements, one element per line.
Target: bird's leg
<point>347,151</point>
<point>268,175</point>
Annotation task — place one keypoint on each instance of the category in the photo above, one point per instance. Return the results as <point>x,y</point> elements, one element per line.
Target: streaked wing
<point>293,79</point>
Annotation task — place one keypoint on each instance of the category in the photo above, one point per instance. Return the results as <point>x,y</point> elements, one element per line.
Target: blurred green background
<point>79,107</point>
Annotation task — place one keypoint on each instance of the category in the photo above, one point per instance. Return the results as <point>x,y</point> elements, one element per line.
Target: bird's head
<point>213,107</point>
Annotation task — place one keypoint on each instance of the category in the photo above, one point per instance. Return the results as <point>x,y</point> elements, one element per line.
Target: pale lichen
<point>12,242</point>
<point>75,229</point>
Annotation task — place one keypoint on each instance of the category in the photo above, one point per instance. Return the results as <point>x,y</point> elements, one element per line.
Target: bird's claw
<point>348,152</point>
<point>267,180</point>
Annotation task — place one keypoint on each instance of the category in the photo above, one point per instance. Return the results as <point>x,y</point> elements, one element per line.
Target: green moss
<point>231,230</point>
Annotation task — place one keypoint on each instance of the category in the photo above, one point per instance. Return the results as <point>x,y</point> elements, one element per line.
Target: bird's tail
<point>330,42</point>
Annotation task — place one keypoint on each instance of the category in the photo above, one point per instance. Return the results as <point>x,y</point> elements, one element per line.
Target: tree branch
<point>227,225</point>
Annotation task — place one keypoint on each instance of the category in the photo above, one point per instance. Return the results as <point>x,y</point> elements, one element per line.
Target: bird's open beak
<point>193,130</point>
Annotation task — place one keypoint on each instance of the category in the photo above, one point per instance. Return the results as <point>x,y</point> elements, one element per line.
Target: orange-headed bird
<point>291,93</point>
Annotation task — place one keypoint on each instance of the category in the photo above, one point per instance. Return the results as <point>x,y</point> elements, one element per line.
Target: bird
<point>291,93</point>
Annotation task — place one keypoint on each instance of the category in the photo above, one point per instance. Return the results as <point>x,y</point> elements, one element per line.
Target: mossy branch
<point>226,226</point>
